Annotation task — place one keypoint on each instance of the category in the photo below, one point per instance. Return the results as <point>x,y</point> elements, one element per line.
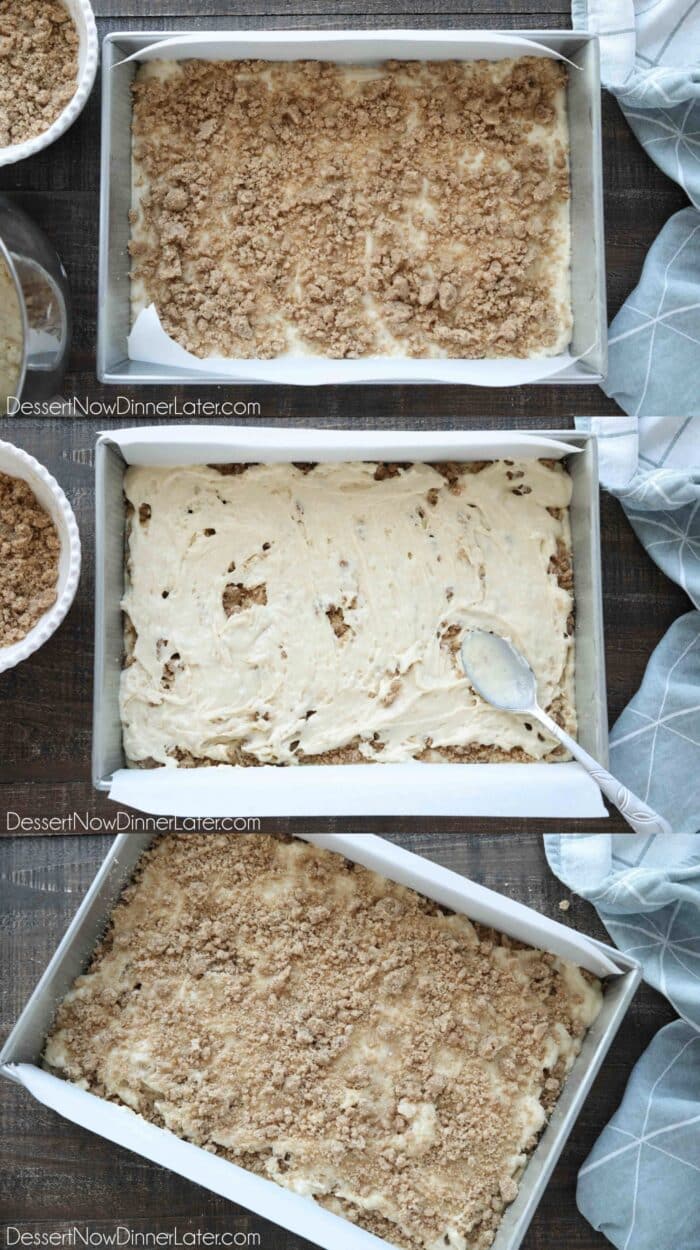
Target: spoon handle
<point>637,813</point>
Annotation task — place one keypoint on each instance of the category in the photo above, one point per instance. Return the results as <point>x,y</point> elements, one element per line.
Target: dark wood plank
<point>57,1175</point>
<point>362,12</point>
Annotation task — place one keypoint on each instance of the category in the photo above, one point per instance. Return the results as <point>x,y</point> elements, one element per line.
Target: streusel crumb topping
<point>329,1030</point>
<point>38,66</point>
<point>413,208</point>
<point>29,554</point>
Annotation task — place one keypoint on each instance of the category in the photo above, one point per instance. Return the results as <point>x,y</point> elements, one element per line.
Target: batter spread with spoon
<point>293,614</point>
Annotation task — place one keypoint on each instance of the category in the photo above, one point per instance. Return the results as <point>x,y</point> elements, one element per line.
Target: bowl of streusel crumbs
<point>48,63</point>
<point>39,555</point>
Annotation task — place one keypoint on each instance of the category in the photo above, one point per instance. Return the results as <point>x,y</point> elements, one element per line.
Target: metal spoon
<point>503,677</point>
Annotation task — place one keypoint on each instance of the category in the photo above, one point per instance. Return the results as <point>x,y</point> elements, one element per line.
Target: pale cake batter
<point>11,337</point>
<point>329,1030</point>
<point>404,209</point>
<point>282,614</point>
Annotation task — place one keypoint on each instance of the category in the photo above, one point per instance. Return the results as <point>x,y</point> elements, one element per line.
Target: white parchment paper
<point>148,343</point>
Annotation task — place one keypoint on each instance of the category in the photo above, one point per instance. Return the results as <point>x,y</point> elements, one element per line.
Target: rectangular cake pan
<point>21,1056</point>
<point>555,791</point>
<point>589,342</point>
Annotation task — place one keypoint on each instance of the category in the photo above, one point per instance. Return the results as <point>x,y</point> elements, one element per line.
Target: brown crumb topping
<point>411,209</point>
<point>562,566</point>
<point>237,597</point>
<point>29,553</point>
<point>38,67</point>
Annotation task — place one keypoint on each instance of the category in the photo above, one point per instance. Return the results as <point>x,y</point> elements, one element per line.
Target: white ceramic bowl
<point>17,463</point>
<point>84,20</point>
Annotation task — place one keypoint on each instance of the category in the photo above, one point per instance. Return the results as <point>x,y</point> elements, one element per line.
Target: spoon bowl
<point>502,676</point>
<point>498,671</point>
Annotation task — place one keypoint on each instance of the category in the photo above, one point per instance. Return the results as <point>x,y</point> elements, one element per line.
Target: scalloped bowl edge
<point>17,463</point>
<point>88,56</point>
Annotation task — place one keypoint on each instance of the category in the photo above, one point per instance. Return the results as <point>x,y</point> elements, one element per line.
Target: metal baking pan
<point>298,1214</point>
<point>588,274</point>
<point>415,791</point>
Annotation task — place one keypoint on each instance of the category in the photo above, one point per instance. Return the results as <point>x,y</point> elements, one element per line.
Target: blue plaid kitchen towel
<point>650,60</point>
<point>640,1185</point>
<point>652,465</point>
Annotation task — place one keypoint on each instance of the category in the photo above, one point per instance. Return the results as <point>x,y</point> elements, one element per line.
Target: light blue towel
<point>654,341</point>
<point>650,60</point>
<point>648,1158</point>
<point>652,464</point>
<point>655,745</point>
<point>641,1183</point>
<point>646,889</point>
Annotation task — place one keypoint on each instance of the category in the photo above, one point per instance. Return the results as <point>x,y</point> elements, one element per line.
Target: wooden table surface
<point>46,702</point>
<point>56,1176</point>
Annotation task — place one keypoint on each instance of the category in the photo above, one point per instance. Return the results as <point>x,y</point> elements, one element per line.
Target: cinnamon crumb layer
<point>39,46</point>
<point>412,208</point>
<point>30,551</point>
<point>318,1025</point>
